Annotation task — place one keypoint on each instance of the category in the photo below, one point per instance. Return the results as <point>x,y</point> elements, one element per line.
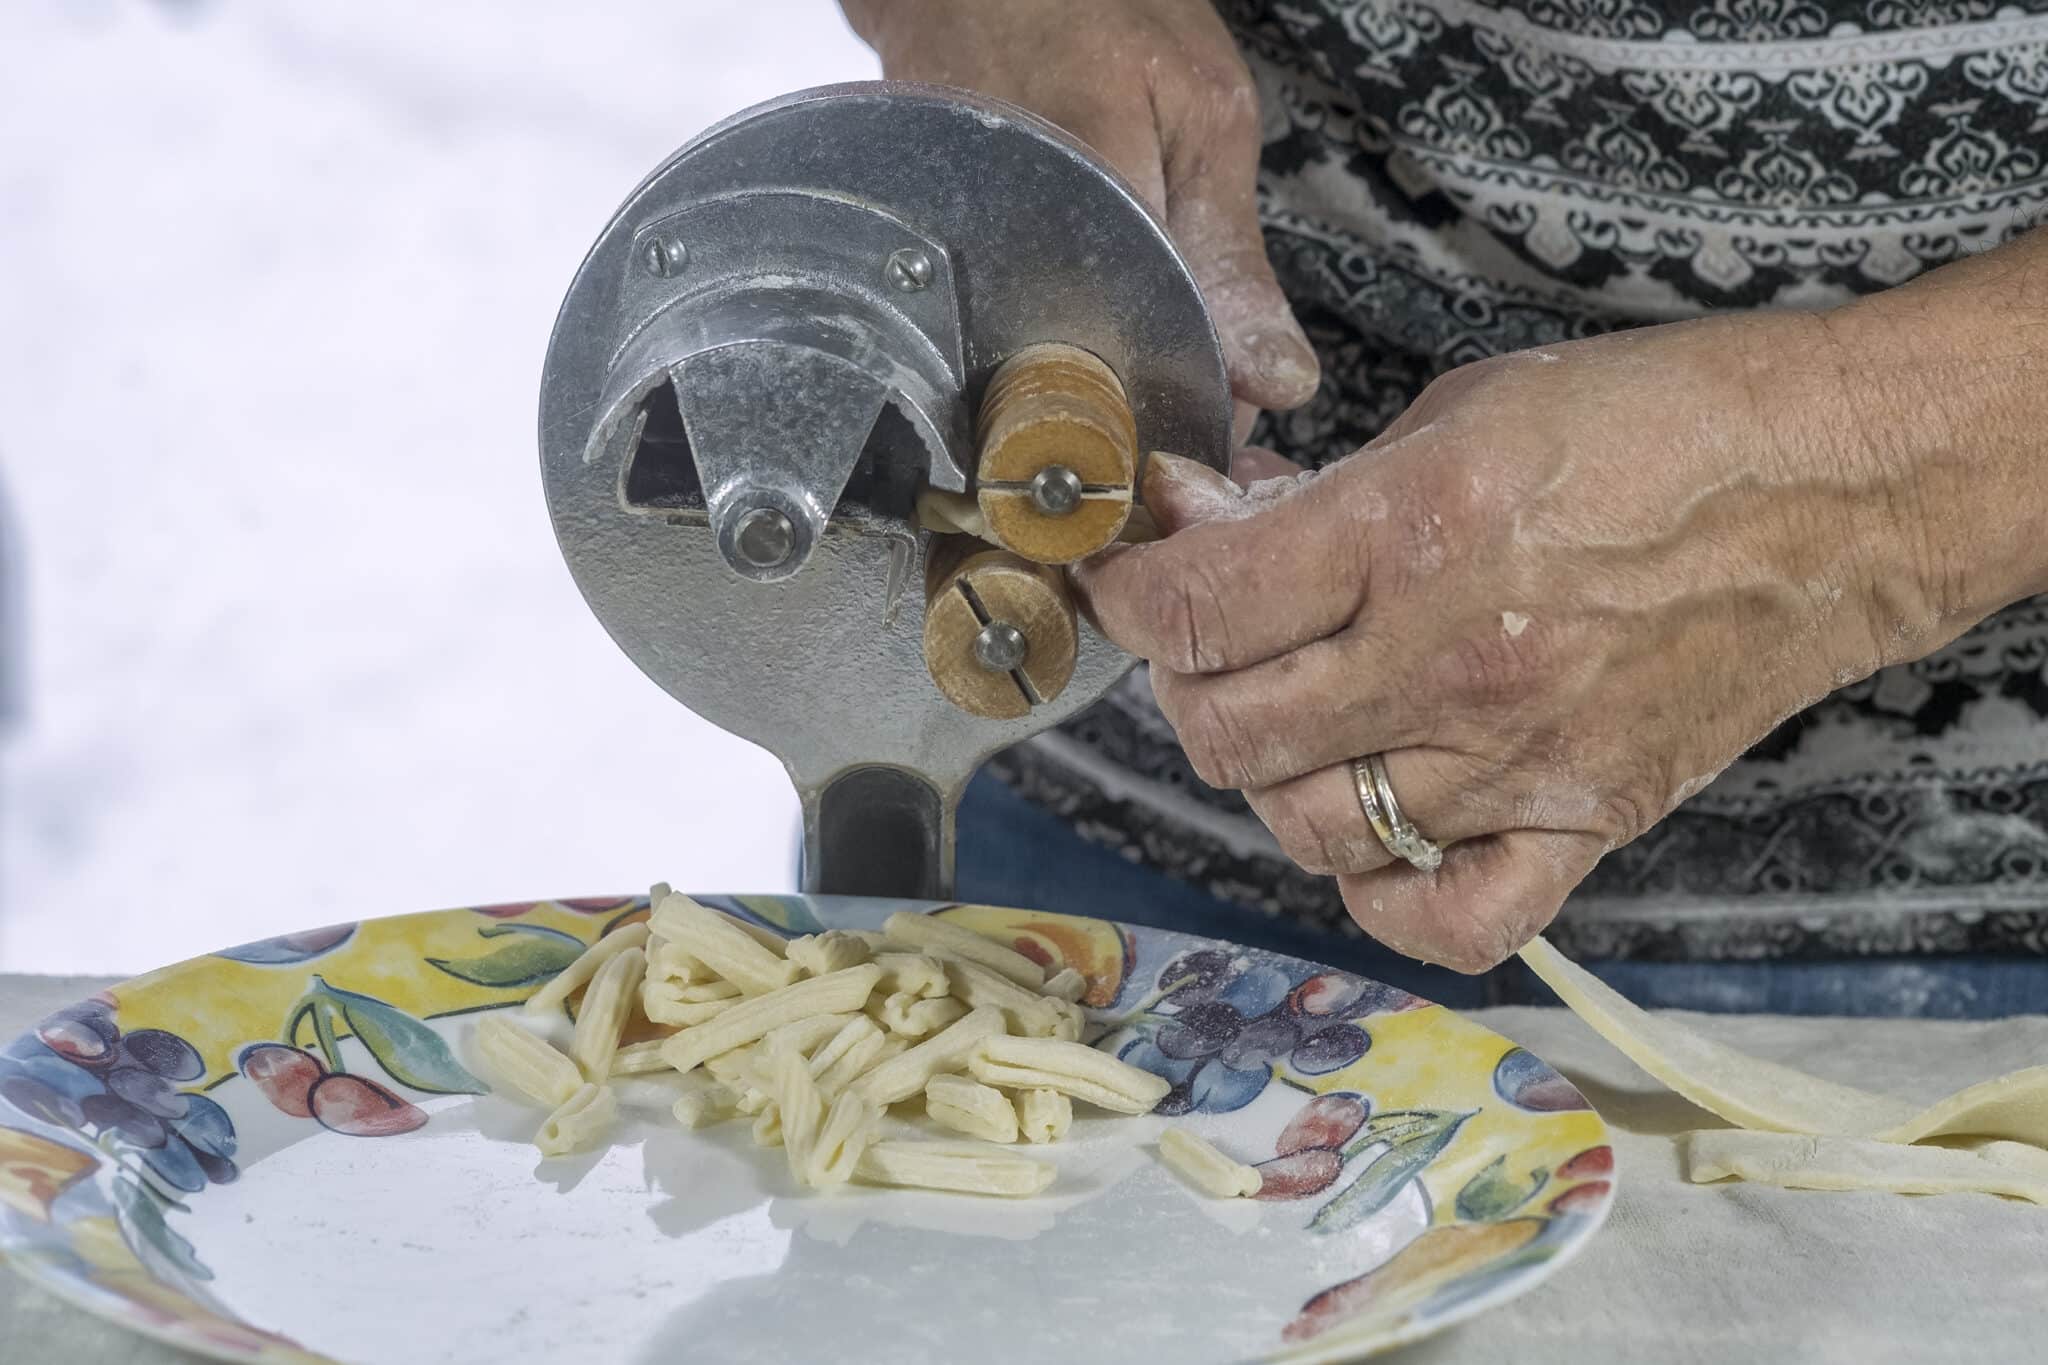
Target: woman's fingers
<point>1238,579</point>
<point>1211,157</point>
<point>1320,823</point>
<point>1492,895</point>
<point>1328,701</point>
<point>1256,464</point>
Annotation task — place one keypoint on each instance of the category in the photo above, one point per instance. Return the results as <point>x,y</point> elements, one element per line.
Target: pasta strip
<point>704,992</point>
<point>585,967</point>
<point>525,1062</point>
<point>578,1121</point>
<point>901,1077</point>
<point>733,1069</point>
<point>1753,1093</point>
<point>1027,1012</point>
<point>724,945</point>
<point>852,1063</point>
<point>953,1166</point>
<point>806,1035</point>
<point>892,1048</point>
<point>668,962</point>
<point>635,1059</point>
<point>1803,1162</point>
<point>737,1071</point>
<point>969,1107</point>
<point>849,1034</point>
<point>751,1020</point>
<point>1068,1020</point>
<point>929,931</point>
<point>1070,1068</point>
<point>704,1105</point>
<point>659,1001</point>
<point>606,1007</point>
<point>802,1109</point>
<point>1066,984</point>
<point>912,974</point>
<point>913,1017</point>
<point>848,1128</point>
<point>832,951</point>
<point>775,943</point>
<point>1044,1115</point>
<point>1207,1169</point>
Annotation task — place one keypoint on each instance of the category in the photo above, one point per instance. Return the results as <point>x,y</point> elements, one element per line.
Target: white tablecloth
<point>1682,1273</point>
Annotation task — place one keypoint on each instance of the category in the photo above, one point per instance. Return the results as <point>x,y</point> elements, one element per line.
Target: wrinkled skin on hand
<point>1560,594</point>
<point>1157,88</point>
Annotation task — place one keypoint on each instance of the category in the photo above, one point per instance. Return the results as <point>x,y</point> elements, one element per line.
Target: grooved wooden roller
<point>999,631</point>
<point>1059,454</point>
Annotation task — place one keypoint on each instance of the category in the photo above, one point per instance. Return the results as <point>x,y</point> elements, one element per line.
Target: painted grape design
<point>121,1091</point>
<point>79,1070</point>
<point>1218,1022</point>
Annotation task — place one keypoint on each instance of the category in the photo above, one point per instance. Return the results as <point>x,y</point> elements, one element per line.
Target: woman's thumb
<point>1180,493</point>
<point>1216,226</point>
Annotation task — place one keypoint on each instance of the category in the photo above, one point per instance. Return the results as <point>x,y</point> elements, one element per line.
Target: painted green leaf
<point>318,1006</point>
<point>534,954</point>
<point>1414,1138</point>
<point>143,1218</point>
<point>410,1052</point>
<point>1494,1194</point>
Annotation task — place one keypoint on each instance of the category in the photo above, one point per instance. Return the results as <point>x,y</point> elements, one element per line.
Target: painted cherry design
<point>360,1107</point>
<point>286,1076</point>
<point>296,1083</point>
<point>1309,1151</point>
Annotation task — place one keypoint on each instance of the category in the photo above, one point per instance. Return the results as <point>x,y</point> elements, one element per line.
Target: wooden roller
<point>999,632</point>
<point>1059,454</point>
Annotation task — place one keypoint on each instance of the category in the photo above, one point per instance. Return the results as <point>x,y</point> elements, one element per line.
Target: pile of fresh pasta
<point>815,1038</point>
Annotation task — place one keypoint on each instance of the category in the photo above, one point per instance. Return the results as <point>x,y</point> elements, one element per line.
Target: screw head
<point>1000,647</point>
<point>1056,490</point>
<point>664,256</point>
<point>908,269</point>
<point>765,538</point>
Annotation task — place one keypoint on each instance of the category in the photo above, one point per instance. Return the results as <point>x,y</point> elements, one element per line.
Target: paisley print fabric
<point>1445,180</point>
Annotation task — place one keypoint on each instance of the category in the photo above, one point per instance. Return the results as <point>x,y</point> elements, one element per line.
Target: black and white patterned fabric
<point>1446,180</point>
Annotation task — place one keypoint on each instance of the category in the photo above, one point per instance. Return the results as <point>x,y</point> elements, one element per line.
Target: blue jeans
<point>1014,853</point>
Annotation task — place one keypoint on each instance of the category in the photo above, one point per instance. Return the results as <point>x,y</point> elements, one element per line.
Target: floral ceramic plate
<point>283,1152</point>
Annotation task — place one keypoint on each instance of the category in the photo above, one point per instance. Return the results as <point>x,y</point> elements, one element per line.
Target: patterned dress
<point>1446,180</point>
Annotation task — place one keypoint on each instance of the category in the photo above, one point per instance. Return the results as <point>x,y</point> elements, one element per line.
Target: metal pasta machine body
<point>837,391</point>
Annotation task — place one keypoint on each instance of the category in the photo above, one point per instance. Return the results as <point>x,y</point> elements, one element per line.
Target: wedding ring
<point>1383,813</point>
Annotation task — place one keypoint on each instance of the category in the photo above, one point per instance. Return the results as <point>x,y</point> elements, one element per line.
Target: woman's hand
<point>1560,595</point>
<point>1158,89</point>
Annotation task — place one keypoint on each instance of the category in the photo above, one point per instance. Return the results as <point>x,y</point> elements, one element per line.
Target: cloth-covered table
<point>1681,1273</point>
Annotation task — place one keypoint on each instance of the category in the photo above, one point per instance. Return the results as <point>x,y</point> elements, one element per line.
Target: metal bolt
<point>665,256</point>
<point>765,538</point>
<point>908,269</point>
<point>1000,647</point>
<point>1056,490</point>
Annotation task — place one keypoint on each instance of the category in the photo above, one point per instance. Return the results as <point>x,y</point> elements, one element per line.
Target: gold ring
<point>1383,813</point>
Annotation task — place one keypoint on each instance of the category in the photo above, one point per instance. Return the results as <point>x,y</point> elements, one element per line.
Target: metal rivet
<point>908,269</point>
<point>1000,647</point>
<point>664,256</point>
<point>765,538</point>
<point>1056,490</point>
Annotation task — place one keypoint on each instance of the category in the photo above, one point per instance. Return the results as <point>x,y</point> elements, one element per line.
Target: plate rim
<point>111,1307</point>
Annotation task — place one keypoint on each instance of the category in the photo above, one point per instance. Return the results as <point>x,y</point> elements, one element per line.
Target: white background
<point>295,643</point>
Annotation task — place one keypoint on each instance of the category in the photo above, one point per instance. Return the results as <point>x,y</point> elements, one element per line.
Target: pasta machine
<point>837,391</point>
